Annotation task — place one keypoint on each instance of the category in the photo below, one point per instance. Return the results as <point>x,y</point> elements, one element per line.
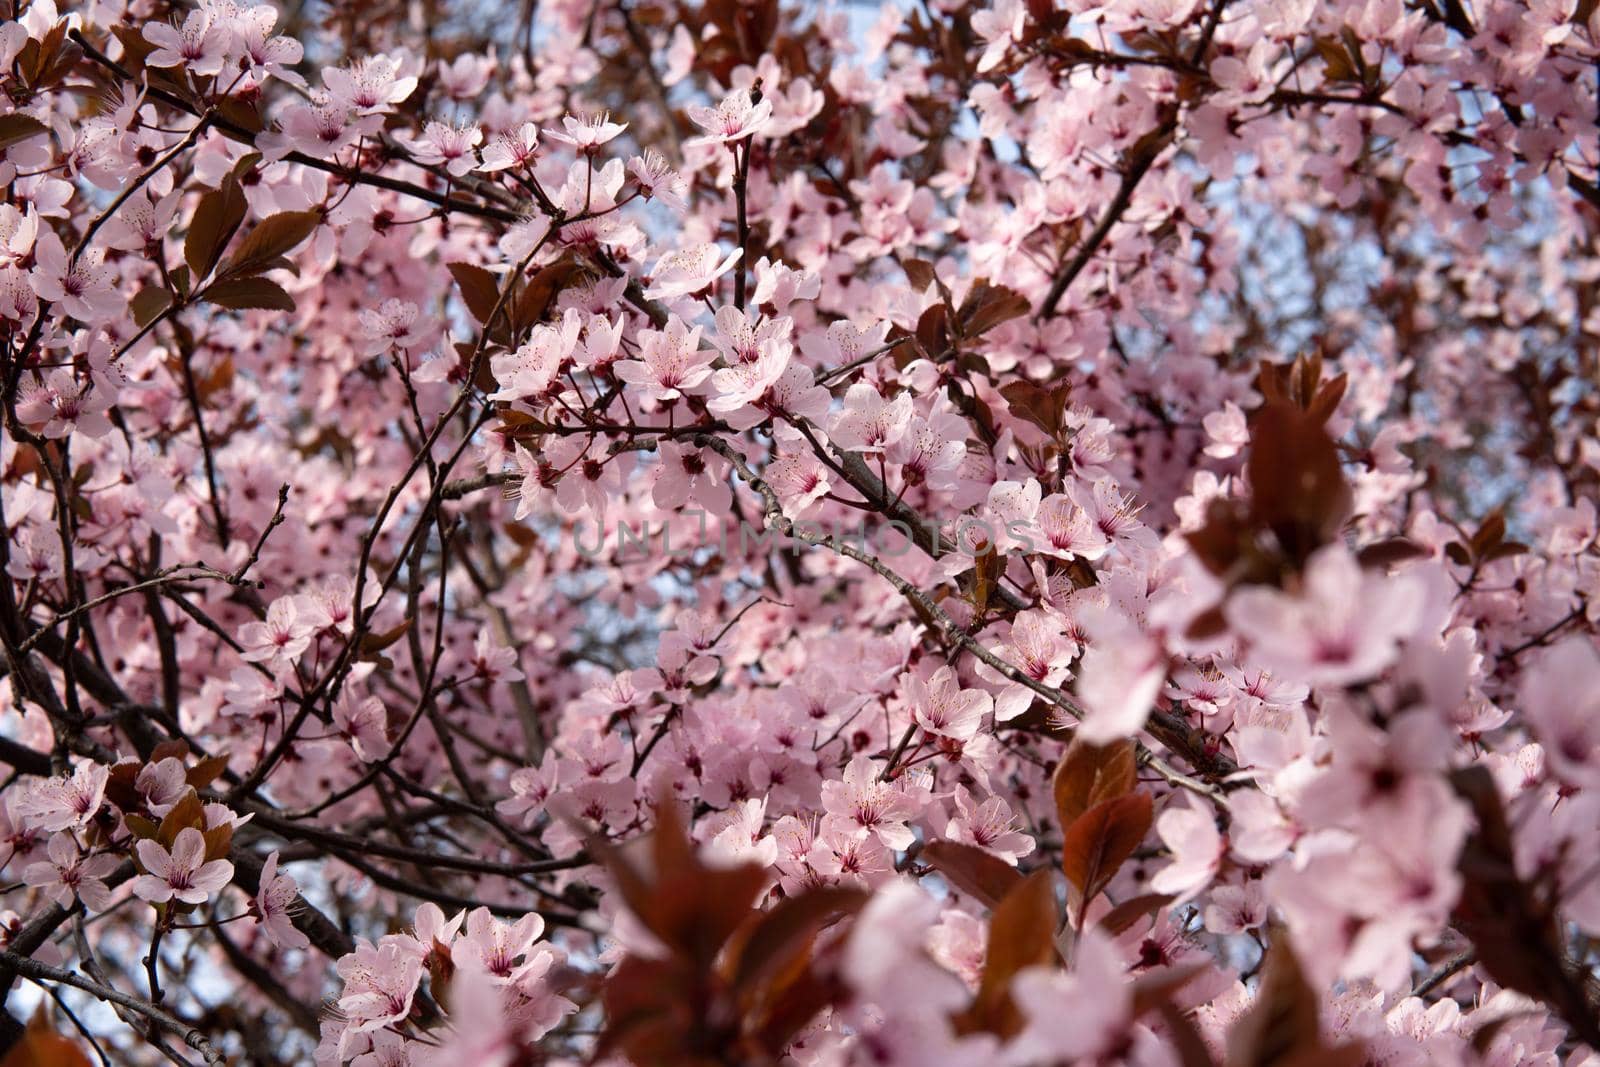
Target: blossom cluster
<point>1212,385</point>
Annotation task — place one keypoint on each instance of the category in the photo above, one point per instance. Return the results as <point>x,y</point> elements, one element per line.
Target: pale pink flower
<point>1011,511</point>
<point>1038,647</point>
<point>734,119</point>
<point>1067,531</point>
<point>737,838</point>
<point>587,133</point>
<point>657,180</point>
<point>800,480</point>
<point>65,405</point>
<point>274,904</point>
<point>466,76</point>
<point>492,661</point>
<point>864,805</point>
<point>686,473</point>
<point>370,85</point>
<point>161,785</point>
<point>940,706</point>
<point>83,287</point>
<point>689,271</point>
<point>380,982</point>
<point>999,27</point>
<point>671,362</point>
<point>282,637</point>
<point>532,371</point>
<point>1236,908</point>
<point>931,451</point>
<point>66,803</point>
<point>1078,1015</point>
<point>200,45</point>
<point>1344,626</point>
<point>364,724</point>
<point>1227,432</point>
<point>1190,833</point>
<point>70,873</point>
<point>1561,698</point>
<point>531,790</point>
<point>447,145</point>
<point>183,874</point>
<point>870,423</point>
<point>501,949</point>
<point>990,826</point>
<point>513,149</point>
<point>1119,677</point>
<point>393,325</point>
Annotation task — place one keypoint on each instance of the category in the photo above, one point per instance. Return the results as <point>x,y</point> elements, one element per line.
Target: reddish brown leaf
<point>1389,551</point>
<point>932,333</point>
<point>1021,934</point>
<point>274,236</point>
<point>206,771</point>
<point>150,301</point>
<point>239,294</point>
<point>919,272</point>
<point>1297,488</point>
<point>18,127</point>
<point>1089,774</point>
<point>373,643</point>
<point>1283,1027</point>
<point>987,306</point>
<point>539,292</point>
<point>1100,841</point>
<point>41,1046</point>
<point>971,870</point>
<point>1124,915</point>
<point>216,219</point>
<point>186,812</point>
<point>480,290</point>
<point>783,933</point>
<point>1043,407</point>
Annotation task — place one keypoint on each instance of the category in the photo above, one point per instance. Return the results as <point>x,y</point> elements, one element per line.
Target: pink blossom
<point>370,85</point>
<point>671,362</point>
<point>512,149</point>
<point>161,785</point>
<point>587,133</point>
<point>531,789</point>
<point>1190,832</point>
<point>869,422</point>
<point>69,873</point>
<point>199,45</point>
<point>1560,699</point>
<point>990,826</point>
<point>56,804</point>
<point>1342,627</point>
<point>502,950</point>
<point>183,873</point>
<point>281,638</point>
<point>82,285</point>
<point>274,904</point>
<point>446,145</point>
<point>859,804</point>
<point>940,706</point>
<point>380,982</point>
<point>688,272</point>
<point>738,116</point>
<point>364,724</point>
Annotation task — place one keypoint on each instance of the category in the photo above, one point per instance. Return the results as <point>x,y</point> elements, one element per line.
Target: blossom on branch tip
<point>737,117</point>
<point>182,873</point>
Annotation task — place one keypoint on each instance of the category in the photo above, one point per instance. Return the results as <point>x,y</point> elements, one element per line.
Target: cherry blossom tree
<point>743,532</point>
